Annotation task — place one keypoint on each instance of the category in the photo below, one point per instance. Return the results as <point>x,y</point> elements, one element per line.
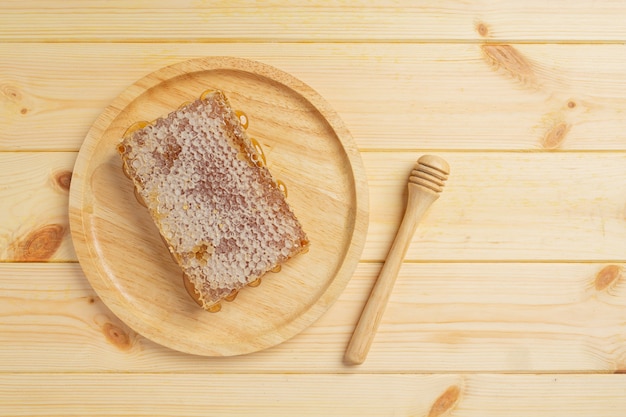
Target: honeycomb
<point>222,215</point>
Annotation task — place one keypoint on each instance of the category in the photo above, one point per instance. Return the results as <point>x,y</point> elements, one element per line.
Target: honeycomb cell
<point>207,187</point>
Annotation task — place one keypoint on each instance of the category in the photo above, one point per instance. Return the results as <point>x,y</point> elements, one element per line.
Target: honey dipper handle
<point>425,184</point>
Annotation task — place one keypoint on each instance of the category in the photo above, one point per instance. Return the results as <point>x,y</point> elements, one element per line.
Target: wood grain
<point>452,317</point>
<point>122,253</point>
<point>34,189</point>
<point>297,21</point>
<point>507,206</point>
<point>520,269</point>
<point>498,206</point>
<point>311,395</point>
<point>436,96</point>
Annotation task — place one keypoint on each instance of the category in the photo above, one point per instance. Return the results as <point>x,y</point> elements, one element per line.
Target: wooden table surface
<point>512,299</point>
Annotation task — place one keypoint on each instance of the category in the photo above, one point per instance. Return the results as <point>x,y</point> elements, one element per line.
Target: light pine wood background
<point>512,299</point>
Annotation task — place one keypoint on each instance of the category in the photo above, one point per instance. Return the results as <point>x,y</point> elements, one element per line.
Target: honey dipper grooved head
<point>431,172</point>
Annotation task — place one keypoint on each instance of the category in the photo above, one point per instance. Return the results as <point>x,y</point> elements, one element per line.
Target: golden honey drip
<point>255,283</point>
<point>259,150</point>
<point>139,198</point>
<point>277,268</point>
<point>215,308</point>
<point>231,297</point>
<point>171,253</point>
<point>191,290</point>
<point>255,159</point>
<point>186,103</point>
<point>125,167</point>
<point>135,127</point>
<point>305,246</point>
<point>206,93</point>
<point>282,187</point>
<point>243,118</point>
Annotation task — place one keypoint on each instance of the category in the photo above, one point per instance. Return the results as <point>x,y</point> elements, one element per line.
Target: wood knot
<point>62,180</point>
<point>39,245</point>
<point>482,29</point>
<point>571,104</point>
<point>555,136</point>
<point>446,402</point>
<point>116,336</point>
<point>510,60</point>
<point>607,277</point>
<point>11,92</point>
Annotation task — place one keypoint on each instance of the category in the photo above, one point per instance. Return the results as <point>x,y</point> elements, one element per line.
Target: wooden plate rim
<point>78,217</point>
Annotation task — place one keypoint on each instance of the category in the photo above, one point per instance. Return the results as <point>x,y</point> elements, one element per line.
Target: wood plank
<point>161,395</point>
<point>499,206</point>
<point>324,169</point>
<point>363,20</point>
<point>34,224</point>
<point>451,317</point>
<point>506,206</point>
<point>438,96</point>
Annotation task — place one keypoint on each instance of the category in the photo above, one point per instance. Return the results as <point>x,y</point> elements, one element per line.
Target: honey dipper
<point>425,184</point>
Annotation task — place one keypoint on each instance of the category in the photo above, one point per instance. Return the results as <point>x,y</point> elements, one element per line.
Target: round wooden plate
<point>307,147</point>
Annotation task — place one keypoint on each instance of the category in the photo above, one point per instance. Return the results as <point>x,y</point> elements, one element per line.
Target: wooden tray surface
<point>306,146</point>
